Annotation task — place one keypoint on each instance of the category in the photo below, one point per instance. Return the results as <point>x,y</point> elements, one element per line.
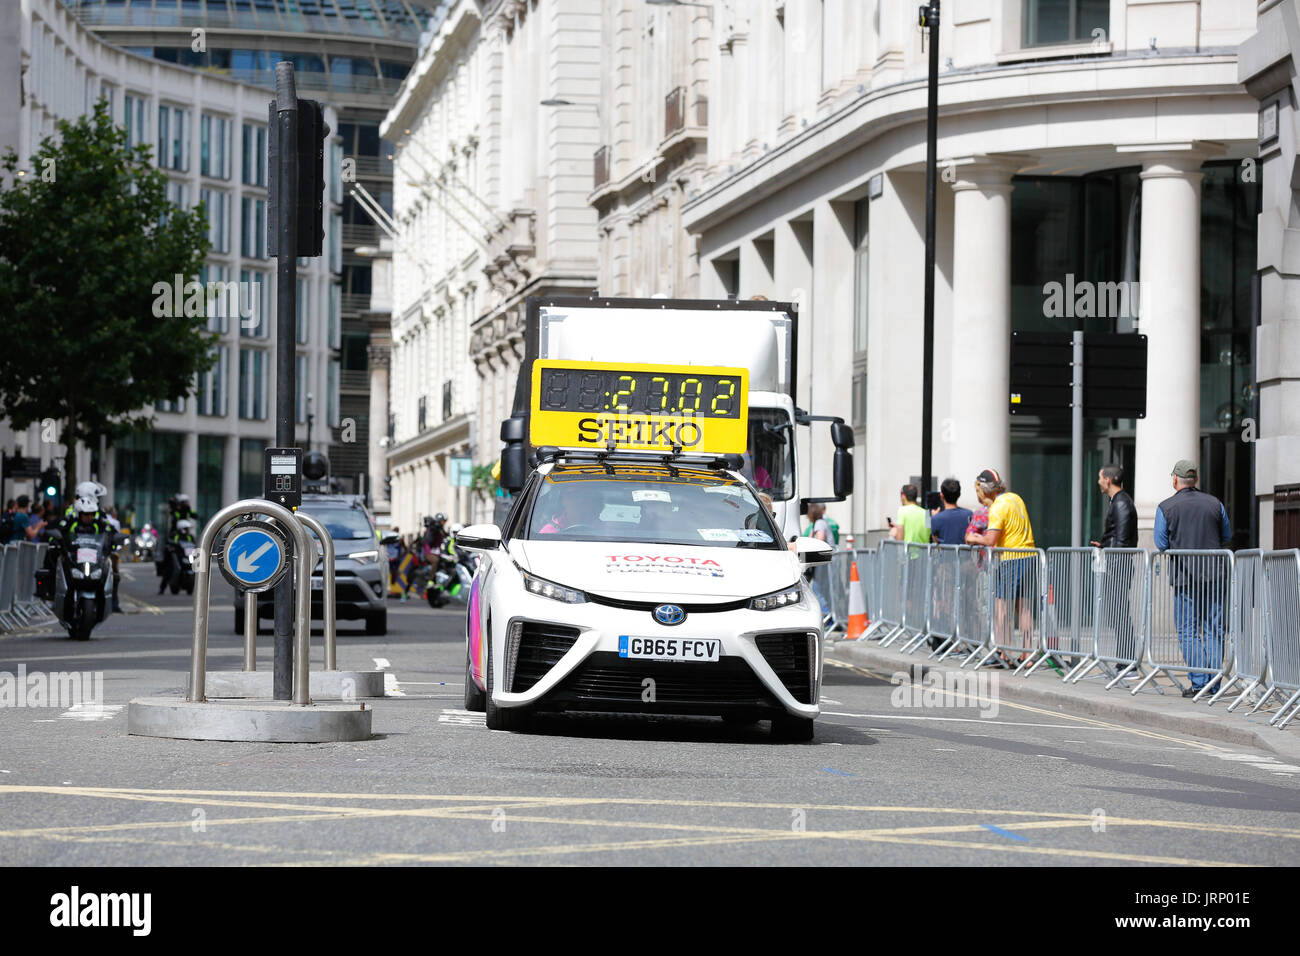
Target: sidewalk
<point>1088,698</point>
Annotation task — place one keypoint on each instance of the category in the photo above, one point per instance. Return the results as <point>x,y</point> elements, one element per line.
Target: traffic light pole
<point>286,289</point>
<point>929,17</point>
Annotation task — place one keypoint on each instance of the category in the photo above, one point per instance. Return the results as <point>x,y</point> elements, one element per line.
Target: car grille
<point>651,605</point>
<point>540,648</point>
<point>789,656</point>
<point>605,681</point>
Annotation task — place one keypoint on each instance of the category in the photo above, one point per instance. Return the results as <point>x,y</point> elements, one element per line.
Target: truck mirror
<point>512,429</point>
<point>513,466</point>
<point>842,472</point>
<point>841,435</point>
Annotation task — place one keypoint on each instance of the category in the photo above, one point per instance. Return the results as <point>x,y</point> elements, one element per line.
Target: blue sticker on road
<point>1004,833</point>
<point>253,556</point>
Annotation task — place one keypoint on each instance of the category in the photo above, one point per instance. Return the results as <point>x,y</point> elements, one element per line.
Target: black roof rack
<point>609,458</point>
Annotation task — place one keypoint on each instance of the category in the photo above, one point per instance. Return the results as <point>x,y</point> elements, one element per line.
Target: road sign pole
<point>1076,443</point>
<point>286,200</point>
<point>929,20</point>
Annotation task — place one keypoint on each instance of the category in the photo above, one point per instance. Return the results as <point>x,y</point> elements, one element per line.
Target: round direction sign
<point>256,556</point>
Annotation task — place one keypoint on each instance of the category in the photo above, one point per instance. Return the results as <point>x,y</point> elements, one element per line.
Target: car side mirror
<point>813,550</point>
<point>479,537</point>
<point>842,472</point>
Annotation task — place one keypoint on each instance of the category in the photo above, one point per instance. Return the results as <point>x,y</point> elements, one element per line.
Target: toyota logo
<point>669,614</point>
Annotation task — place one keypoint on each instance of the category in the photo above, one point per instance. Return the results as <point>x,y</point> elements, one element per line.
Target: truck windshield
<point>650,504</point>
<point>769,460</point>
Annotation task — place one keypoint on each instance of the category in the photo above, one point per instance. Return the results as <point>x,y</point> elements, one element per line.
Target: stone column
<point>1170,317</point>
<point>980,424</point>
<point>380,359</point>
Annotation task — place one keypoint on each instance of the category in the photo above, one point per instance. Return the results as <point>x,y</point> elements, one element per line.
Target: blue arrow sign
<point>253,556</point>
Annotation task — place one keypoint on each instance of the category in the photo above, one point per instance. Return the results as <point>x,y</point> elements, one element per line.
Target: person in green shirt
<point>910,527</point>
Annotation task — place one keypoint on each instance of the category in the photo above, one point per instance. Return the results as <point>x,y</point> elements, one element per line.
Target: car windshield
<point>650,504</point>
<point>769,460</point>
<point>343,524</point>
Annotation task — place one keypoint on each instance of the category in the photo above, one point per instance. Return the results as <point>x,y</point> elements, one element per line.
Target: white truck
<point>601,335</point>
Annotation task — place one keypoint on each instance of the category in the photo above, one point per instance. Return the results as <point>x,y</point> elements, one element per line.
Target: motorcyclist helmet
<point>455,528</point>
<point>439,518</point>
<point>86,497</point>
<point>182,501</point>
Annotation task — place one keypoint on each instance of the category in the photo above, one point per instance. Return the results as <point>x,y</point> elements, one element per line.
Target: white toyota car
<point>642,586</point>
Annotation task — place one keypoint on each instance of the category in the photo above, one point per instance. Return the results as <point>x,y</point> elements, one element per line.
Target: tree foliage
<point>85,235</point>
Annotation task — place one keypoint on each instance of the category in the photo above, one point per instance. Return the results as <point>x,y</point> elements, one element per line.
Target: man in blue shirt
<point>1193,520</point>
<point>948,524</point>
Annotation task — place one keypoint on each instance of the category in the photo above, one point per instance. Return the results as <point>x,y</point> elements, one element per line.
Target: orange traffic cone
<point>857,605</point>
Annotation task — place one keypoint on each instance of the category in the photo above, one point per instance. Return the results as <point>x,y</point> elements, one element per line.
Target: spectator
<point>1009,528</point>
<point>910,526</point>
<point>948,524</point>
<point>1194,520</point>
<point>817,576</point>
<point>22,519</point>
<point>1119,531</point>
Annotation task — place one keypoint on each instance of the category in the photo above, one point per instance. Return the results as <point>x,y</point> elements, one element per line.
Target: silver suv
<point>360,566</point>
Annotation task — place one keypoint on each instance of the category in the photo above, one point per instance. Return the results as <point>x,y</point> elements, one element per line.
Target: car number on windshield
<point>668,648</point>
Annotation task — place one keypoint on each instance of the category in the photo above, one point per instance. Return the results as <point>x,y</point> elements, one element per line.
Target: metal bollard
<point>250,631</point>
<point>328,610</point>
<point>203,588</point>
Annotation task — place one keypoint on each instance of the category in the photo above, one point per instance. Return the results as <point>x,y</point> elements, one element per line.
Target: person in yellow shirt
<point>1015,582</point>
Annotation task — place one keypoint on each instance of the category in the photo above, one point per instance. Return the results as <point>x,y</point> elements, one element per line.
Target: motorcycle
<point>83,581</point>
<point>144,544</point>
<point>449,580</point>
<point>177,566</point>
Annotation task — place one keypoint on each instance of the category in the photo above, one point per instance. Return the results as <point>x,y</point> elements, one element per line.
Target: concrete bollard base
<point>247,720</point>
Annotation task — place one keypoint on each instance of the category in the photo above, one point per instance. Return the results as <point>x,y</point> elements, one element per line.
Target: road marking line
<point>958,720</point>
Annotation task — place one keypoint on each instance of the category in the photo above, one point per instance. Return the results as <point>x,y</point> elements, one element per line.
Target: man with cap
<point>1193,520</point>
<point>1009,528</point>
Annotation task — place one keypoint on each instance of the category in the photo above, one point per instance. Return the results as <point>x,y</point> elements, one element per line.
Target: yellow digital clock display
<point>691,408</point>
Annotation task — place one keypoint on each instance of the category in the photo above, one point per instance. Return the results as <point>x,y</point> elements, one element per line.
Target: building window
<point>175,406</point>
<point>1064,21</point>
<point>220,295</point>
<point>302,306</point>
<point>252,228</point>
<point>214,146</point>
<point>300,389</point>
<point>212,455</point>
<point>178,194</point>
<point>137,130</point>
<point>254,155</point>
<point>211,398</point>
<point>217,205</point>
<point>254,314</point>
<point>250,467</point>
<point>147,472</point>
<point>252,384</point>
<point>861,274</point>
<point>173,138</point>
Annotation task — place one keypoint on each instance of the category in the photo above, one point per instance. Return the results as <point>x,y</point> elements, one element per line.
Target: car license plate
<point>669,648</point>
<point>317,584</point>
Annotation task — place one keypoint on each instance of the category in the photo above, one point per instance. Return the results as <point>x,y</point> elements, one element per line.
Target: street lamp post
<point>929,20</point>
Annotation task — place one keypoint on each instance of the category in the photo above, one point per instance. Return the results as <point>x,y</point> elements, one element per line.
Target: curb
<point>1168,714</point>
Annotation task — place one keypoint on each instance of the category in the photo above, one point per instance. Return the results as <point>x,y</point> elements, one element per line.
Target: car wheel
<point>475,699</point>
<point>792,730</point>
<point>377,622</point>
<point>518,719</point>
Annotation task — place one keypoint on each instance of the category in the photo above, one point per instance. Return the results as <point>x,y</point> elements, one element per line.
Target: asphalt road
<point>887,781</point>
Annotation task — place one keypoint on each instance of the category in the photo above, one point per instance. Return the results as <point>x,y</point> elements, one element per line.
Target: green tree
<point>85,234</point>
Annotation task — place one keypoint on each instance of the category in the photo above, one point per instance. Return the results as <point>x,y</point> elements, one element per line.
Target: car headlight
<point>549,589</point>
<point>96,574</point>
<point>363,557</point>
<point>77,573</point>
<point>775,599</point>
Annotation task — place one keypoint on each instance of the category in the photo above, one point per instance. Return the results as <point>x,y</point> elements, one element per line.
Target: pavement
<point>891,778</point>
<point>1089,698</point>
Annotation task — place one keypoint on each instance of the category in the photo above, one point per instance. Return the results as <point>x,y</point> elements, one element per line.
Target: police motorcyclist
<point>179,509</point>
<point>435,532</point>
<point>183,530</point>
<point>84,516</point>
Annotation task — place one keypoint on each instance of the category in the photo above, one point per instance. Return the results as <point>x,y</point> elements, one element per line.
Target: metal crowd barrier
<point>893,585</point>
<point>974,602</point>
<point>868,562</point>
<point>8,584</point>
<point>838,575</point>
<point>1069,609</point>
<point>1189,602</point>
<point>1017,585</point>
<point>916,602</point>
<point>1282,601</point>
<point>1248,623</point>
<point>945,594</point>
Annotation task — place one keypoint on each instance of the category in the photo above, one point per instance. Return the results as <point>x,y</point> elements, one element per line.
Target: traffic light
<point>388,487</point>
<point>51,481</point>
<point>312,132</point>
